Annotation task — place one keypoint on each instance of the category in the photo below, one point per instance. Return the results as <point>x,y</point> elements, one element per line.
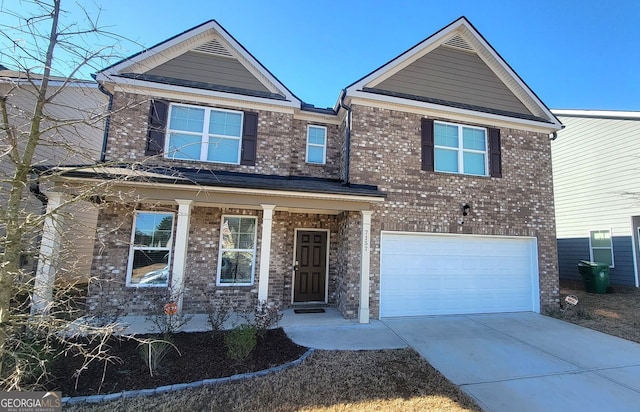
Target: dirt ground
<point>615,313</point>
<point>201,356</point>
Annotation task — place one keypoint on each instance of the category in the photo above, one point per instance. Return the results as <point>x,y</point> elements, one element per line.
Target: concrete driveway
<point>528,362</point>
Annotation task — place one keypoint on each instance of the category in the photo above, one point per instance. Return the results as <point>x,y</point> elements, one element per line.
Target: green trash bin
<point>595,276</point>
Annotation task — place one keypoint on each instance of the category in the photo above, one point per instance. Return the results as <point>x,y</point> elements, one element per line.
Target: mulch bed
<point>204,356</point>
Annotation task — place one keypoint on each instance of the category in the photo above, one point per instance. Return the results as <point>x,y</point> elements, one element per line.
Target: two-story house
<point>73,130</point>
<point>427,189</point>
<point>597,192</point>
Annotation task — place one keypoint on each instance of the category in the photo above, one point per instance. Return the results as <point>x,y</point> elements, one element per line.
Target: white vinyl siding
<point>595,172</point>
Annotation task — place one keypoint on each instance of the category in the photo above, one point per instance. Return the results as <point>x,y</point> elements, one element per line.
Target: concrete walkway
<point>528,362</point>
<point>331,331</point>
<point>506,362</point>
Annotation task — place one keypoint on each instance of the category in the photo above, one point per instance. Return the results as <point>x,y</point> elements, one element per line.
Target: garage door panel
<point>424,274</point>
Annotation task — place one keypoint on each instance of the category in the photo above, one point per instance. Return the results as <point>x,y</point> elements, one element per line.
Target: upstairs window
<point>316,144</point>
<point>460,149</point>
<point>601,246</point>
<point>204,134</point>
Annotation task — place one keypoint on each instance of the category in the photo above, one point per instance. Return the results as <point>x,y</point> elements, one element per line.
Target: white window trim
<point>460,150</point>
<point>204,143</point>
<point>133,248</point>
<point>323,146</point>
<point>591,248</point>
<point>220,250</point>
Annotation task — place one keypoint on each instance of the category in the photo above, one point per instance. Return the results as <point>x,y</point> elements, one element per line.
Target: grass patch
<point>386,380</point>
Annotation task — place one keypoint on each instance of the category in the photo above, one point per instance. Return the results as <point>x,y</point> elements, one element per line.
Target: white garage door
<point>427,274</point>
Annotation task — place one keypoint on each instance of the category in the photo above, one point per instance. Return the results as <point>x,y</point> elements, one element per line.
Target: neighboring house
<point>427,189</point>
<point>74,136</point>
<point>597,192</point>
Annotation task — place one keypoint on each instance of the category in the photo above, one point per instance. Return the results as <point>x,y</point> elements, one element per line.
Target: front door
<point>310,266</point>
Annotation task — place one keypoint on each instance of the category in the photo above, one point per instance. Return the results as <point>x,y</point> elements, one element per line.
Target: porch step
<point>308,310</point>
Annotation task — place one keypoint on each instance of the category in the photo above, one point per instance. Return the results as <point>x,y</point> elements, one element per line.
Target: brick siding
<point>281,142</point>
<point>386,151</point>
<point>108,292</point>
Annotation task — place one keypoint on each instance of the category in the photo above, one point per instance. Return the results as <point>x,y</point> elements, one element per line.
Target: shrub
<point>166,317</point>
<point>218,312</point>
<point>267,315</point>
<point>240,341</point>
<point>154,351</point>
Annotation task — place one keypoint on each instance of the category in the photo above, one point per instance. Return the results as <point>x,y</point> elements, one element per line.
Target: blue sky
<point>574,54</point>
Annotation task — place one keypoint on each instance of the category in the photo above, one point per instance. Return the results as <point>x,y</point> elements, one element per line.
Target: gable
<point>204,60</point>
<point>209,68</point>
<point>454,71</point>
<point>454,75</point>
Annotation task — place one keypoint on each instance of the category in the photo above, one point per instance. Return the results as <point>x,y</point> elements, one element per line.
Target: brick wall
<point>348,285</point>
<point>386,151</point>
<point>281,142</point>
<point>108,293</point>
<point>107,289</point>
<point>202,262</point>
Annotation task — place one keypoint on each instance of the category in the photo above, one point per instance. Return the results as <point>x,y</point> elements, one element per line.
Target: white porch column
<point>365,261</point>
<point>48,259</point>
<point>265,252</point>
<point>180,251</point>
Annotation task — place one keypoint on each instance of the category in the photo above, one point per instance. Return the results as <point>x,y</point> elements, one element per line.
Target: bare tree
<point>43,51</point>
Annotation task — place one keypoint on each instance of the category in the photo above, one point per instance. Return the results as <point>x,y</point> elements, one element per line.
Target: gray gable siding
<point>449,74</point>
<point>571,250</point>
<point>201,67</point>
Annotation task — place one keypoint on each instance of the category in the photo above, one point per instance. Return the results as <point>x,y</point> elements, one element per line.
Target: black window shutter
<point>249,139</point>
<point>157,127</point>
<point>495,154</point>
<point>427,144</point>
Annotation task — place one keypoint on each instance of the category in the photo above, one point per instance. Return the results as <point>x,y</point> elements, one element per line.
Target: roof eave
<point>136,83</point>
<point>603,114</point>
<point>552,125</point>
<point>176,183</point>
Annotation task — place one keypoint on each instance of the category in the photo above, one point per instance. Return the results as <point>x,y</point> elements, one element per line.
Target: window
<point>237,254</point>
<point>460,149</point>
<point>601,246</point>
<point>150,250</point>
<point>316,144</point>
<point>198,133</point>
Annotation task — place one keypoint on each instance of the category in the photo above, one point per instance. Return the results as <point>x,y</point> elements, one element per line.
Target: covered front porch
<point>310,243</point>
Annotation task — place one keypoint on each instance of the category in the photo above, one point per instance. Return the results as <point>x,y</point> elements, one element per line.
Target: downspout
<point>347,143</point>
<point>34,188</point>
<point>107,122</point>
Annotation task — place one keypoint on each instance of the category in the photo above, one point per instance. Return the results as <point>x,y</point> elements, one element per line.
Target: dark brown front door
<point>311,266</point>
